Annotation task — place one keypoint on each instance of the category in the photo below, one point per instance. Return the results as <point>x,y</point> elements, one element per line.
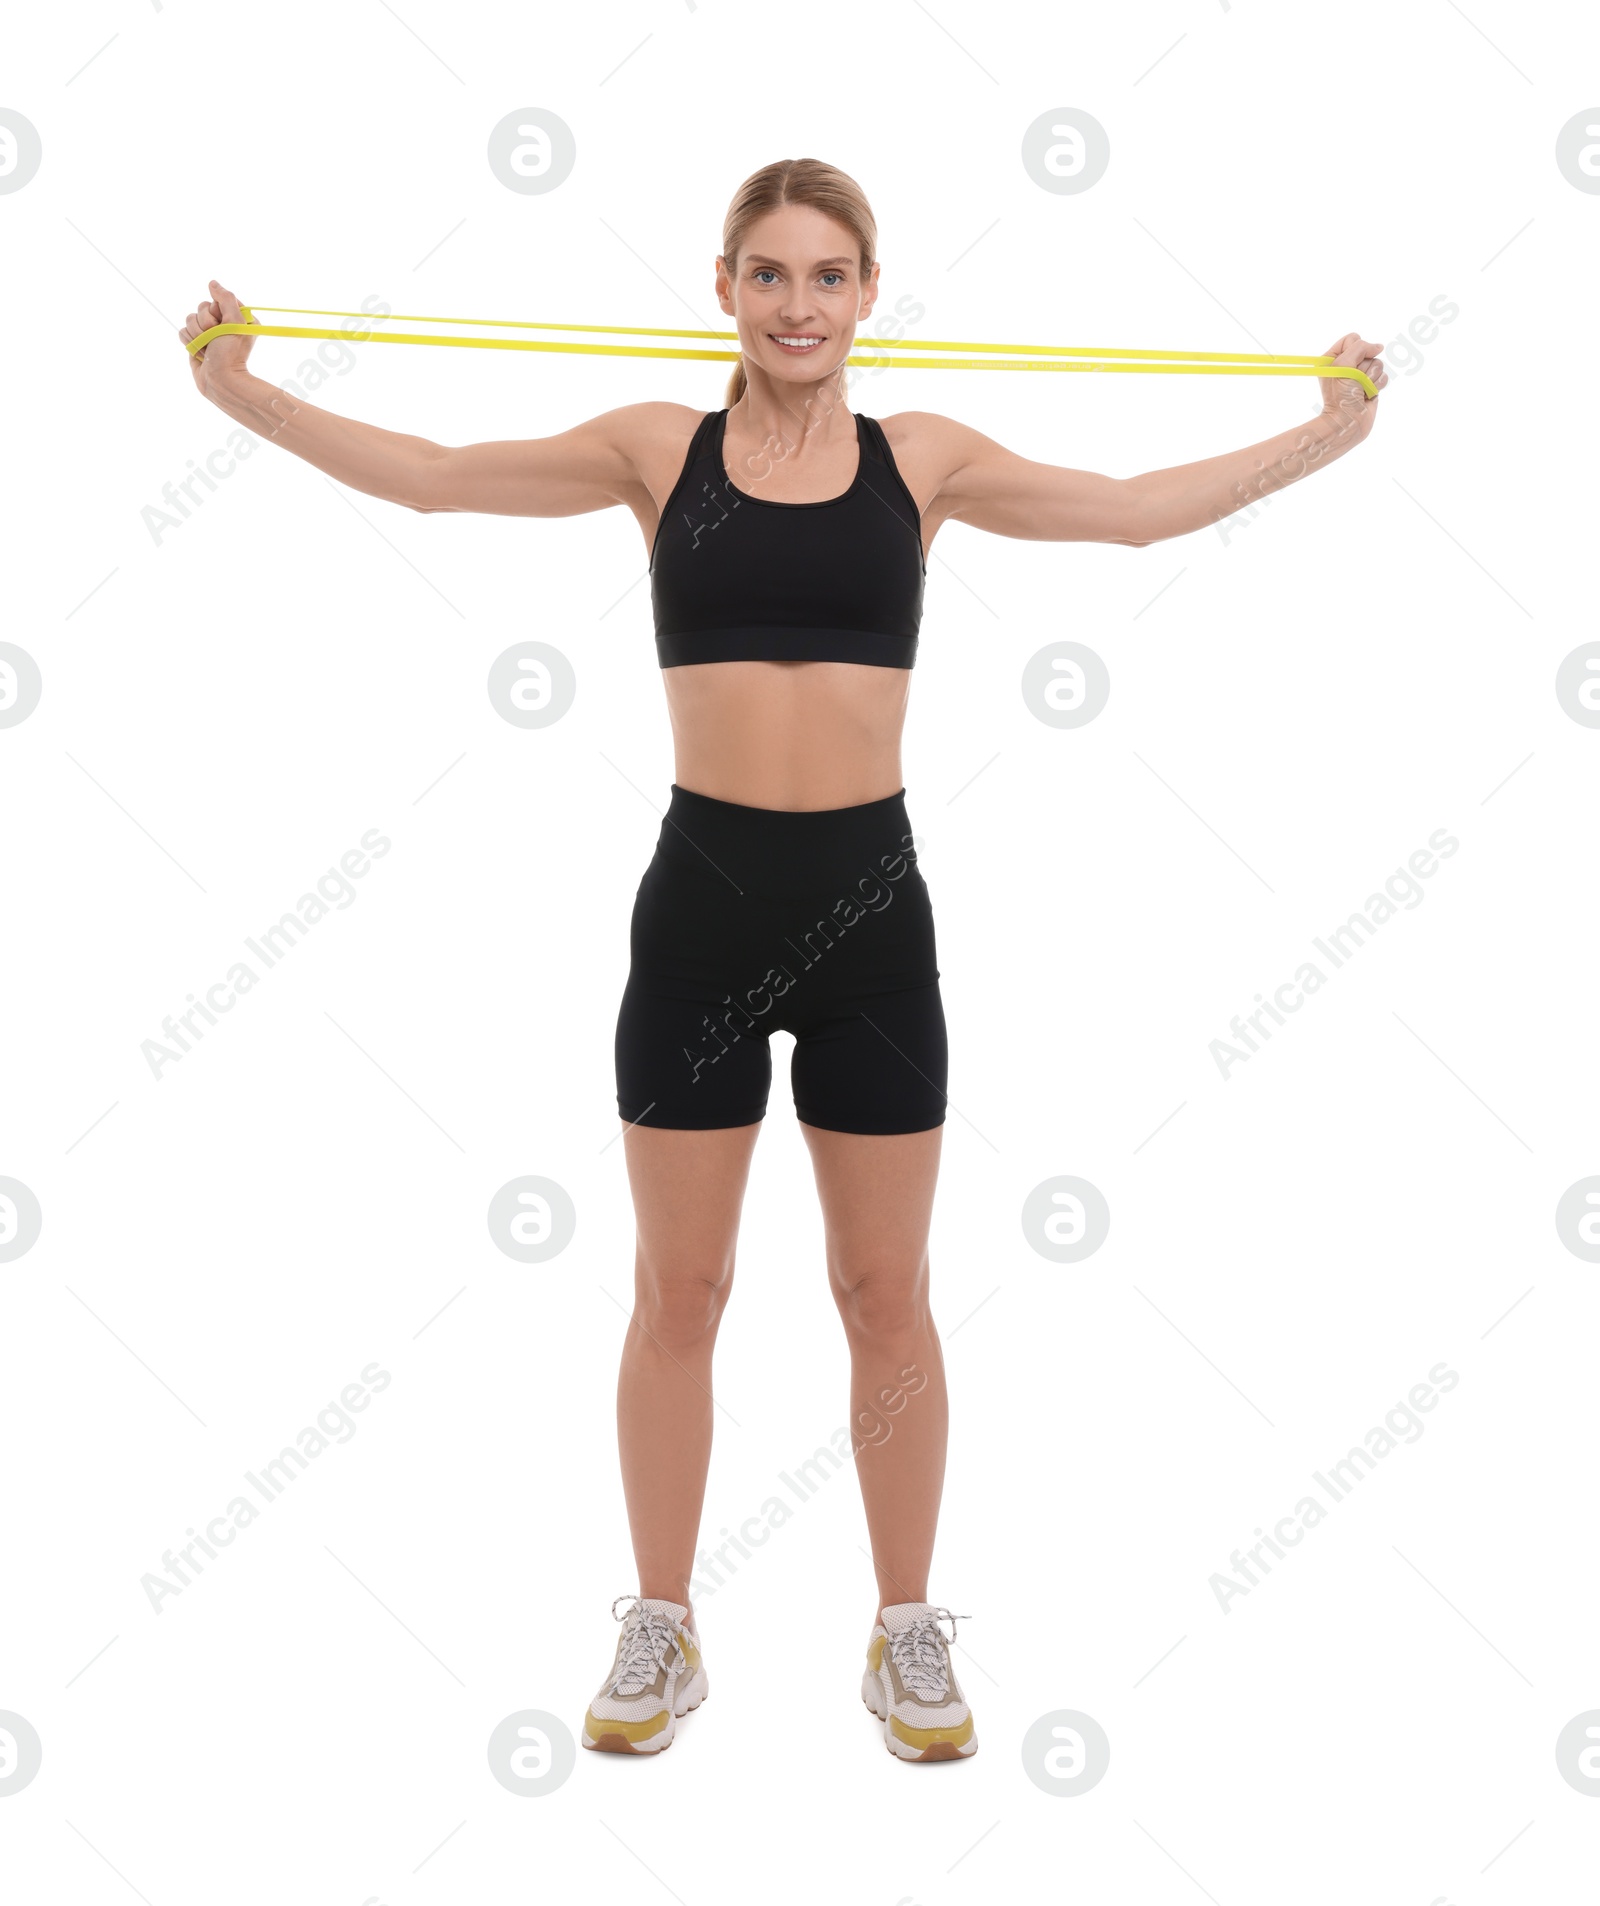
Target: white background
<point>1295,707</point>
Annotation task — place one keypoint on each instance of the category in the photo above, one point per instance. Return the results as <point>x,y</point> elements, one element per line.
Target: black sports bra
<point>735,577</point>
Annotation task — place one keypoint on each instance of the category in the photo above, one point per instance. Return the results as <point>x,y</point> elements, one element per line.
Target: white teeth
<point>803,343</point>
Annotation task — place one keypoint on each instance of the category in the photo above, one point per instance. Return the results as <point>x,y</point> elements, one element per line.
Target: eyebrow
<point>756,258</point>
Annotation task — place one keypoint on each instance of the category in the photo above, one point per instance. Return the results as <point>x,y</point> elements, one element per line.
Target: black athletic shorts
<point>816,923</point>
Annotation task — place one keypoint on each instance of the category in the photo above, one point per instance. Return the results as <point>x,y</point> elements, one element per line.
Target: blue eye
<point>834,274</point>
<point>765,271</point>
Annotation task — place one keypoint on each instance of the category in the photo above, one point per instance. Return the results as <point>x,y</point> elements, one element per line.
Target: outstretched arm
<point>992,488</point>
<point>590,467</point>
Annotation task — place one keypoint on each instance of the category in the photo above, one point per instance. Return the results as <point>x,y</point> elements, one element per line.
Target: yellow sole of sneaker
<point>618,1743</point>
<point>938,1750</point>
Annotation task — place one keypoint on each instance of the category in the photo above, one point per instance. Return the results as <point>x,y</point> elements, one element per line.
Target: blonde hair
<point>796,182</point>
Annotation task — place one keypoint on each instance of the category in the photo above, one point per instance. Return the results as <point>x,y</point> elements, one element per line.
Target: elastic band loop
<point>999,357</point>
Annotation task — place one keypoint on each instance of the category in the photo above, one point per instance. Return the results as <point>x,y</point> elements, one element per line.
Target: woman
<point>788,544</point>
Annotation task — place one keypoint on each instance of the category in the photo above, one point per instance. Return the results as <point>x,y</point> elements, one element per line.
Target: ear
<point>724,285</point>
<point>869,294</point>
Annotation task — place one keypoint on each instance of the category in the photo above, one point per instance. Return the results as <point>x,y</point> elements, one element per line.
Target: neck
<point>794,413</point>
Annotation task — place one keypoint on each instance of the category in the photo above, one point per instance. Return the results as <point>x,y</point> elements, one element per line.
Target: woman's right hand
<point>221,355</point>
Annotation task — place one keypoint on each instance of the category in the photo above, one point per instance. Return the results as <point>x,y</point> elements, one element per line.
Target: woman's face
<point>797,294</point>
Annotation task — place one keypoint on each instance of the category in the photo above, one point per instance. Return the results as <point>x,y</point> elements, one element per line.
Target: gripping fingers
<point>1357,353</point>
<point>199,321</point>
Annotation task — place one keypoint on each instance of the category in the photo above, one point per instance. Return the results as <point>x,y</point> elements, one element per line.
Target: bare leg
<point>877,1204</point>
<point>688,1190</point>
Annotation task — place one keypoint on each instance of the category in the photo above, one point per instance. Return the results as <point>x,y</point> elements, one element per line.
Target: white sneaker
<point>657,1676</point>
<point>911,1687</point>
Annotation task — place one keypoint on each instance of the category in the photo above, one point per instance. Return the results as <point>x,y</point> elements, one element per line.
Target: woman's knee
<point>679,1305</point>
<point>883,1300</point>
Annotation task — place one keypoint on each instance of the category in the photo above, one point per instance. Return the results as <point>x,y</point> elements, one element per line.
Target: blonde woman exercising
<point>788,543</point>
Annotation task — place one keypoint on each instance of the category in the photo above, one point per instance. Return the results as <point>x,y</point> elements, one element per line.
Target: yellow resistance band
<point>998,357</point>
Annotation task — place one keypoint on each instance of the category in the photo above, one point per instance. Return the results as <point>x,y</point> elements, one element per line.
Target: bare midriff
<point>788,734</point>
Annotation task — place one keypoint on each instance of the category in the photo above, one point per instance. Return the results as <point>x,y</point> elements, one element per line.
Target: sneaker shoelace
<point>919,1653</point>
<point>646,1636</point>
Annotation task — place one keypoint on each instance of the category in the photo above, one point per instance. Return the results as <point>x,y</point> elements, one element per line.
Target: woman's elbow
<point>1133,521</point>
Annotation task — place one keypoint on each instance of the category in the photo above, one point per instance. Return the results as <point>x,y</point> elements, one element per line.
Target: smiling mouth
<point>799,342</point>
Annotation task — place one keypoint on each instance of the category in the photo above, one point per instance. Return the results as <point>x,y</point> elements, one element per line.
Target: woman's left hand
<point>1344,402</point>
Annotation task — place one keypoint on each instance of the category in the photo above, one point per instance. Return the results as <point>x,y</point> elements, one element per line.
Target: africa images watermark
<point>274,1479</point>
<point>845,913</point>
<point>1404,356</point>
<point>1340,1481</point>
<point>333,891</point>
<point>717,502</point>
<point>1336,949</point>
<point>871,1428</point>
<point>332,359</point>
<point>821,403</point>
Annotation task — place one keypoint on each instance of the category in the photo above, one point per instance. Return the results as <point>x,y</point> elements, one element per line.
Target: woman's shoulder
<point>929,447</point>
<point>647,427</point>
<point>641,446</point>
<point>926,429</point>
